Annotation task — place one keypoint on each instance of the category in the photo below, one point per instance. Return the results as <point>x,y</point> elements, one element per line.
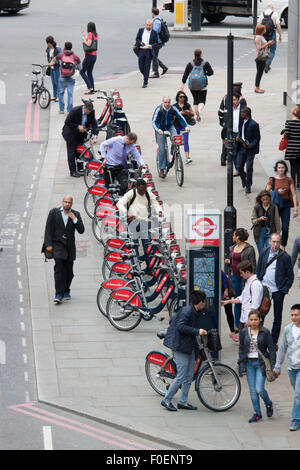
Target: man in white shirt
<point>146,39</point>
<point>270,19</point>
<point>236,123</point>
<point>252,294</point>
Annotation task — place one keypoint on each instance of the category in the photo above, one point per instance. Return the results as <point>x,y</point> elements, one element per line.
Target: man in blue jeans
<point>270,19</point>
<point>188,323</point>
<point>163,120</point>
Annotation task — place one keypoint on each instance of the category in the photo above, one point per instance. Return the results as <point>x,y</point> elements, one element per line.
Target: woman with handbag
<point>262,54</point>
<point>292,134</point>
<point>257,356</point>
<point>90,47</point>
<point>53,70</point>
<point>265,219</point>
<point>284,196</point>
<point>187,112</point>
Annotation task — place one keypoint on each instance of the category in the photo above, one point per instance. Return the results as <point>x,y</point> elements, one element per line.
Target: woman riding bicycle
<point>163,120</point>
<point>188,323</point>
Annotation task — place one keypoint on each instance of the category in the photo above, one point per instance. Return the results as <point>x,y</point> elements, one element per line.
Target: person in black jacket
<point>146,39</point>
<point>248,138</point>
<point>76,124</point>
<point>60,240</point>
<point>52,51</point>
<point>188,323</point>
<point>254,341</point>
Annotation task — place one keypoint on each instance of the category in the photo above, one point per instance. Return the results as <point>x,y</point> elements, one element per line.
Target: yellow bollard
<point>181,15</point>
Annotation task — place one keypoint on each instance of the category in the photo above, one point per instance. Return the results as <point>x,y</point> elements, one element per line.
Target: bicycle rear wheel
<point>102,299</point>
<point>44,98</point>
<point>90,176</point>
<point>120,319</point>
<point>213,396</point>
<point>89,203</point>
<point>34,90</point>
<point>179,169</point>
<point>159,380</point>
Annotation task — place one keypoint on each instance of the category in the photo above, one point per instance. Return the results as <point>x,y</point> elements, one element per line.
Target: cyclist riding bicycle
<point>163,120</point>
<point>115,151</point>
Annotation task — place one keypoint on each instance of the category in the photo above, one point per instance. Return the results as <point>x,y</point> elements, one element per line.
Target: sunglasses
<point>181,96</point>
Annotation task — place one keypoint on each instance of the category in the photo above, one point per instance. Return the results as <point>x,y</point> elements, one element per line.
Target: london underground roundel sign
<point>205,230</point>
<point>204,227</point>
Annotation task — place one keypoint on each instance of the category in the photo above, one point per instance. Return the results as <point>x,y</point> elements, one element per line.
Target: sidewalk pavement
<point>221,32</point>
<point>84,364</point>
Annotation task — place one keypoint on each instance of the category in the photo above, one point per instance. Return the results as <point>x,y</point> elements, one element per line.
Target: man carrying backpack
<point>163,36</point>
<point>270,19</point>
<point>69,63</point>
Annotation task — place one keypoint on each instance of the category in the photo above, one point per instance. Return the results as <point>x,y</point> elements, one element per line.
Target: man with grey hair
<point>146,40</point>
<point>77,123</point>
<point>270,19</point>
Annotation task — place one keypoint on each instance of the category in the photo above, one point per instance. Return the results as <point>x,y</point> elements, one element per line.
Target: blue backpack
<point>198,78</point>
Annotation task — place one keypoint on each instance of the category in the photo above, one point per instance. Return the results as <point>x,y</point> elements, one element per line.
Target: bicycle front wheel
<point>89,203</point>
<point>44,98</point>
<point>120,319</point>
<point>222,396</point>
<point>90,176</point>
<point>179,169</point>
<point>159,380</point>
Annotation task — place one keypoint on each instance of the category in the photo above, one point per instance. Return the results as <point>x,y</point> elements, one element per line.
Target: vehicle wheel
<point>159,381</point>
<point>90,176</point>
<point>179,170</point>
<point>96,228</point>
<point>102,299</point>
<point>106,269</point>
<point>120,319</point>
<point>89,204</point>
<point>211,395</point>
<point>34,93</point>
<point>44,98</point>
<point>215,18</point>
<point>13,12</point>
<point>173,307</point>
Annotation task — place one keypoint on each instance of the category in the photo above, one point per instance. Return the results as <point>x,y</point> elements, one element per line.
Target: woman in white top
<point>254,341</point>
<point>262,54</point>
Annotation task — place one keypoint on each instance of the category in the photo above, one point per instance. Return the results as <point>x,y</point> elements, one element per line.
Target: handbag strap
<point>267,364</point>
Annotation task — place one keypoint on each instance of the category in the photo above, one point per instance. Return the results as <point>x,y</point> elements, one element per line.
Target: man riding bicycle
<point>115,151</point>
<point>163,120</point>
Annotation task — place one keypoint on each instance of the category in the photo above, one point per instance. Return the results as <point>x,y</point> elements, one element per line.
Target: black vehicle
<point>13,6</point>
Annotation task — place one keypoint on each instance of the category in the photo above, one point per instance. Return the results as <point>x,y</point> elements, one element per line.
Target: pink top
<point>90,37</point>
<point>259,42</point>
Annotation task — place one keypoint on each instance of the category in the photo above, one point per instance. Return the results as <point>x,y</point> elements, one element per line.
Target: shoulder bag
<point>269,373</point>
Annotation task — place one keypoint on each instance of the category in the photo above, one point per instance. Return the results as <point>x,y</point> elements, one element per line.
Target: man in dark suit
<point>60,240</point>
<point>76,124</point>
<point>248,146</point>
<point>237,119</point>
<point>146,39</point>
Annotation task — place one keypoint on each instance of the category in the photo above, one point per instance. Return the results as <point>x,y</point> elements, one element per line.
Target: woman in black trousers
<point>292,133</point>
<point>261,55</point>
<point>90,46</point>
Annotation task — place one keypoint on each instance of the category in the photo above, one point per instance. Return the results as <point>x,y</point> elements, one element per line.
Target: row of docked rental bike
<point>142,278</point>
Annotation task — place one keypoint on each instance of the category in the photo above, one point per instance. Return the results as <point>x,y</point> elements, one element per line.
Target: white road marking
<point>47,435</point>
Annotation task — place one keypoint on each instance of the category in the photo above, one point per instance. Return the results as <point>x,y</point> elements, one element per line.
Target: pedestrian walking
<point>251,295</point>
<point>188,323</point>
<point>237,122</point>
<point>69,62</point>
<point>284,196</point>
<point>115,151</point>
<point>265,219</point>
<point>240,251</point>
<point>227,292</point>
<point>262,54</point>
<point>187,112</point>
<point>90,47</point>
<point>295,254</point>
<point>77,123</point>
<point>248,146</point>
<point>146,40</point>
<point>196,72</point>
<point>270,20</point>
<point>60,240</point>
<point>156,62</point>
<point>163,120</point>
<point>290,343</point>
<point>275,270</point>
<point>256,341</point>
<point>292,133</point>
<point>222,113</point>
<point>52,51</point>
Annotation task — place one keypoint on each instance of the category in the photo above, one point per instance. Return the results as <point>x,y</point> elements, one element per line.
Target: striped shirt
<point>292,132</point>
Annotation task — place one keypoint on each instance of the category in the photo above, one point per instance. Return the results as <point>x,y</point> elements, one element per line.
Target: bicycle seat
<point>127,256</point>
<point>36,72</point>
<point>136,273</point>
<point>161,334</point>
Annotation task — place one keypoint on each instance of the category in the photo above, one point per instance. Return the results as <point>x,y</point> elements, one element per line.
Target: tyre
<point>159,381</point>
<point>179,170</point>
<point>173,307</point>
<point>120,319</point>
<point>89,204</point>
<point>90,176</point>
<point>215,18</point>
<point>210,394</point>
<point>102,299</point>
<point>34,94</point>
<point>44,98</point>
<point>96,228</point>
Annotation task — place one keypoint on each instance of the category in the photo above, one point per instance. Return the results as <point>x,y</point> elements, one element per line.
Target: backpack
<point>198,78</point>
<point>164,34</point>
<point>265,304</point>
<point>67,67</point>
<point>133,199</point>
<point>268,24</point>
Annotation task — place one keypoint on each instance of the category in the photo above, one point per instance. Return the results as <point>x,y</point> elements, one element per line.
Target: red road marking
<point>78,427</point>
<point>36,123</point>
<point>27,121</point>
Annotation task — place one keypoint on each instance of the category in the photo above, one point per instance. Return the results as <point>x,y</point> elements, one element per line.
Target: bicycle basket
<point>213,340</point>
<point>177,140</point>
